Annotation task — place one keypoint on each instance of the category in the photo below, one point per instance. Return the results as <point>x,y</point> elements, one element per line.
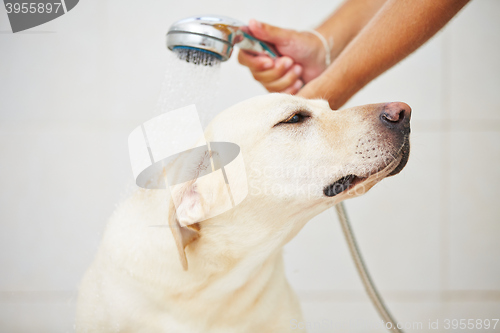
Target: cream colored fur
<point>235,280</point>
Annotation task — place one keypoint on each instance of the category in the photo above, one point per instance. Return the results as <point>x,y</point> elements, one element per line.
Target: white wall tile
<point>474,65</point>
<point>318,258</point>
<point>331,316</point>
<point>20,316</point>
<point>474,211</point>
<point>57,70</point>
<point>56,196</point>
<point>471,310</point>
<point>325,316</point>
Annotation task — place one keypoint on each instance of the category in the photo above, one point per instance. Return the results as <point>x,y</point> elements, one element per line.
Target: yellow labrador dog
<point>300,158</point>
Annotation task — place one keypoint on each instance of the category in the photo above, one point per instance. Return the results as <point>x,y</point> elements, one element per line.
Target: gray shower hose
<point>363,272</point>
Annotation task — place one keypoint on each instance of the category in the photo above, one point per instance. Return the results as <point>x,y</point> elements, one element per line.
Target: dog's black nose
<point>396,115</point>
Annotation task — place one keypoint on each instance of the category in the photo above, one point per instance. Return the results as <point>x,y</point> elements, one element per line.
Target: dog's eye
<point>296,118</point>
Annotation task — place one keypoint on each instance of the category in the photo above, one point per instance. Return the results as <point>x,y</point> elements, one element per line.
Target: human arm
<point>398,29</point>
<point>303,54</point>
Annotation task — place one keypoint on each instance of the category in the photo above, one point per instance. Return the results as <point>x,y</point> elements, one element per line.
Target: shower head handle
<point>217,35</point>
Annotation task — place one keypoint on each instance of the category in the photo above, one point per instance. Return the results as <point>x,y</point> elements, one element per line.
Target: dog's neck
<point>231,251</point>
<point>230,245</point>
<point>239,251</point>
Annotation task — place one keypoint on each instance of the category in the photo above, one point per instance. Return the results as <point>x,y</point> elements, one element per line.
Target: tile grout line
<point>445,166</point>
<point>403,295</point>
<point>340,296</point>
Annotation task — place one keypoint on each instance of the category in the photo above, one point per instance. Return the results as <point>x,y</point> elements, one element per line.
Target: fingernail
<point>268,63</point>
<point>287,63</point>
<point>256,23</point>
<point>298,84</point>
<point>297,69</point>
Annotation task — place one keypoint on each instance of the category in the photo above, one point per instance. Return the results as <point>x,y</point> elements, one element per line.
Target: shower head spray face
<point>207,40</point>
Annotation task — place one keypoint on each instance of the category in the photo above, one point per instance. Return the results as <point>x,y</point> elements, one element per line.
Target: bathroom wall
<point>71,90</point>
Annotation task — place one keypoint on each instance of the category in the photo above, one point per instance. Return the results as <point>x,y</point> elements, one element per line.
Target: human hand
<point>302,58</point>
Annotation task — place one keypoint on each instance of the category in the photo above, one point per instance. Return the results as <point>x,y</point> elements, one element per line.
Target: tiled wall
<point>72,89</point>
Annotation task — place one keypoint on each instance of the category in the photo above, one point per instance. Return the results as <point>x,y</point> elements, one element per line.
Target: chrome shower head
<point>208,39</point>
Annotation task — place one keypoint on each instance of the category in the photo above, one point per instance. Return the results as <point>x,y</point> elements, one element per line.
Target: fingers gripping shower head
<point>207,40</point>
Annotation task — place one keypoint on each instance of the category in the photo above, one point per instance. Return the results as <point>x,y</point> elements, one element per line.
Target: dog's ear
<point>199,188</point>
<point>187,209</point>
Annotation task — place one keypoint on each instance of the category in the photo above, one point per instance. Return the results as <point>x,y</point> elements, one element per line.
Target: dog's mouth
<point>343,184</point>
<point>404,153</point>
<point>347,182</point>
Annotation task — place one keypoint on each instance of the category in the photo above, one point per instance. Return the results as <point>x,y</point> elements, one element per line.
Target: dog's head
<point>300,158</point>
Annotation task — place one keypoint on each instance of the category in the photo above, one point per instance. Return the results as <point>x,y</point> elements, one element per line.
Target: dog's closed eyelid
<point>303,115</point>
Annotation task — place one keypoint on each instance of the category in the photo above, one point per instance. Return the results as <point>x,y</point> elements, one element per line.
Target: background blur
<point>72,90</point>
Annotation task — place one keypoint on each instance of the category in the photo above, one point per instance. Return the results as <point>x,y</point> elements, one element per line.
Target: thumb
<point>270,33</point>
